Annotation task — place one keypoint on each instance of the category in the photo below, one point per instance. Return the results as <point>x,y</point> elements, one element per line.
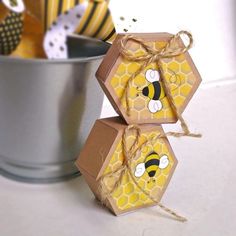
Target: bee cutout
<point>14,5</point>
<point>154,91</point>
<point>151,164</point>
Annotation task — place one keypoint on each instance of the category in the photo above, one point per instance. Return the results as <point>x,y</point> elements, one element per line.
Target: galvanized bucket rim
<point>17,60</point>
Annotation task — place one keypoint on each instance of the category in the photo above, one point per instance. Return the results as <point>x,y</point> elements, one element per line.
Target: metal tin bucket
<point>47,109</point>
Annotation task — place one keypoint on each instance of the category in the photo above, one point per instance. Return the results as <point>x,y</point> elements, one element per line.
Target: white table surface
<point>202,188</point>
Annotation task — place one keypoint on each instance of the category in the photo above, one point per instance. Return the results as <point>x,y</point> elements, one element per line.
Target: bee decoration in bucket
<point>87,17</point>
<point>151,164</point>
<point>154,90</point>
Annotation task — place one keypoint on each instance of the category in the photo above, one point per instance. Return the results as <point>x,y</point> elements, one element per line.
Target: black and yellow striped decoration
<point>96,21</point>
<point>154,91</point>
<point>51,9</point>
<point>152,162</point>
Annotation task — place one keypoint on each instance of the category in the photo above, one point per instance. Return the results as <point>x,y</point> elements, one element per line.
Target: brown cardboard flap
<point>97,147</point>
<point>107,64</point>
<point>116,122</point>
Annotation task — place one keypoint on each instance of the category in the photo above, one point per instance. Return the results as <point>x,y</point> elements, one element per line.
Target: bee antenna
<point>177,80</point>
<point>138,91</point>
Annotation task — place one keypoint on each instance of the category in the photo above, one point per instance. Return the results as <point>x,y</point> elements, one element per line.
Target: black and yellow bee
<point>154,90</point>
<point>151,164</point>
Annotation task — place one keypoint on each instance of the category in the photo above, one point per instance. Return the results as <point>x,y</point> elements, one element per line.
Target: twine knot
<point>171,49</point>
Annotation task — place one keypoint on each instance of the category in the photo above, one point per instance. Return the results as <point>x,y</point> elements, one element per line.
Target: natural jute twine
<point>130,154</point>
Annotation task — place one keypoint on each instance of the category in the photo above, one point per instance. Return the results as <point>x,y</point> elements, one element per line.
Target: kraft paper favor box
<point>147,99</point>
<point>152,168</point>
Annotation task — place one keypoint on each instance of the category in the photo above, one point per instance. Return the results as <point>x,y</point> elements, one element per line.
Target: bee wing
<point>54,43</point>
<point>140,169</point>
<point>18,7</point>
<point>152,75</point>
<point>164,162</point>
<point>154,106</point>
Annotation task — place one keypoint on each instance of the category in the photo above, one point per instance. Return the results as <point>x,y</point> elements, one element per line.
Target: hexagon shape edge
<point>103,153</point>
<point>180,73</point>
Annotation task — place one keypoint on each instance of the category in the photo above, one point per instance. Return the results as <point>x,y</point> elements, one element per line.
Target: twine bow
<point>170,50</point>
<point>131,154</point>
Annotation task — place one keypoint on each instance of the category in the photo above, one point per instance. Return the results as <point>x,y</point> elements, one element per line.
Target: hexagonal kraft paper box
<point>147,100</point>
<point>152,169</point>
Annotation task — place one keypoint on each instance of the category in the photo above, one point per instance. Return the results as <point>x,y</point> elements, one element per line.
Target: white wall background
<point>212,23</point>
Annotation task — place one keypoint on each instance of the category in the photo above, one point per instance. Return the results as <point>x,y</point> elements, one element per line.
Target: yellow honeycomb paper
<point>177,72</point>
<point>128,195</point>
